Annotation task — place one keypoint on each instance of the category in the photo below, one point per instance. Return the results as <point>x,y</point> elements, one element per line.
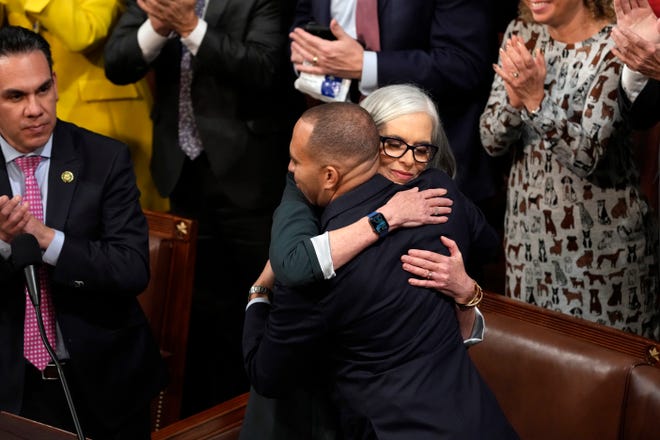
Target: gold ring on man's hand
<point>514,74</point>
<point>315,60</point>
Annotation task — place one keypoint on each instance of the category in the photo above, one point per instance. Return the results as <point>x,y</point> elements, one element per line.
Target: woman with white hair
<point>412,140</point>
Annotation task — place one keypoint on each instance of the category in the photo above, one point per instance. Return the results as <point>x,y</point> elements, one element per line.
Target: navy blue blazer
<point>103,265</point>
<point>394,351</point>
<point>446,47</point>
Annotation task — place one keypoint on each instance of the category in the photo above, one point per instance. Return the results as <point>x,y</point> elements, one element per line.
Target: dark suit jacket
<point>399,367</point>
<point>645,111</point>
<point>447,48</point>
<point>103,265</point>
<point>236,92</point>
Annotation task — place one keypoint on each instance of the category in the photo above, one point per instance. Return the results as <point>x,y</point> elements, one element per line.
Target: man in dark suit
<point>94,240</point>
<point>637,37</point>
<point>445,47</point>
<point>393,351</point>
<point>232,182</point>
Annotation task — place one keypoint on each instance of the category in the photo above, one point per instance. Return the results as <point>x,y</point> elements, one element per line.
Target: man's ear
<point>57,96</point>
<point>331,177</point>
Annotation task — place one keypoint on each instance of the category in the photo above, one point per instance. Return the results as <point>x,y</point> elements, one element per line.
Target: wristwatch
<point>260,290</point>
<point>378,224</point>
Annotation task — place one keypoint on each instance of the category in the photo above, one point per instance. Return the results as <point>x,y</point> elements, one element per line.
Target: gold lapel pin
<point>67,177</point>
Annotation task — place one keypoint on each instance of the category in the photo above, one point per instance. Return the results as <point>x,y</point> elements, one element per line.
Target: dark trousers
<point>232,250</point>
<point>45,402</point>
<point>306,414</point>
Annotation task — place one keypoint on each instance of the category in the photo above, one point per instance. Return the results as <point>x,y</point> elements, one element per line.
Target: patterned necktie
<point>188,133</point>
<point>33,348</point>
<point>366,24</point>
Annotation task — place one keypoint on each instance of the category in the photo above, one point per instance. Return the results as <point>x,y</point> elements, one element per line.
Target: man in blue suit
<point>393,352</point>
<point>445,47</point>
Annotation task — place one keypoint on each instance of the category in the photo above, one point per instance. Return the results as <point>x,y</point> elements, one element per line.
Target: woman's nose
<point>408,158</point>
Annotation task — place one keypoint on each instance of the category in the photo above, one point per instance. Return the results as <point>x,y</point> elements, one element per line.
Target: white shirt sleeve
<point>52,252</point>
<point>632,83</point>
<point>321,245</point>
<point>478,330</point>
<point>150,41</point>
<point>259,299</point>
<point>369,80</point>
<point>194,39</point>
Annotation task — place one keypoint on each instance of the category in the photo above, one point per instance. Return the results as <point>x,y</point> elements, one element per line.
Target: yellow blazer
<point>76,31</point>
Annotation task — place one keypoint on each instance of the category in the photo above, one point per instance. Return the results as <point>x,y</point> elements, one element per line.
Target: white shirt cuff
<point>478,330</point>
<point>150,41</point>
<point>5,250</point>
<point>321,245</point>
<point>194,39</point>
<point>259,299</point>
<point>632,83</point>
<point>52,253</point>
<point>369,80</point>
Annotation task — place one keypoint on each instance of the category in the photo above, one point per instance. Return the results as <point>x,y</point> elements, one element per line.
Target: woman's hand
<point>523,74</point>
<point>413,207</point>
<point>637,37</point>
<point>443,273</point>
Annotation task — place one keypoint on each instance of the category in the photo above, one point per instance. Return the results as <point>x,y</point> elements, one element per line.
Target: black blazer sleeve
<point>645,111</point>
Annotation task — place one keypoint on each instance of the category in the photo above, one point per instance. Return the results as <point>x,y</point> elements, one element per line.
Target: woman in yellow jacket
<point>77,31</point>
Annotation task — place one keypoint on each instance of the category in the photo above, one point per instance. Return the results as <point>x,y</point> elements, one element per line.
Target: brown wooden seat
<point>221,422</point>
<point>554,375</point>
<point>166,303</point>
<point>560,377</point>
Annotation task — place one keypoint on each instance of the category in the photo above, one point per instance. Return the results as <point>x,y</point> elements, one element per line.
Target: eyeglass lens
<point>397,148</point>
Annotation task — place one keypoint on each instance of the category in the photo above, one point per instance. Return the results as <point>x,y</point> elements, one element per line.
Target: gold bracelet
<point>476,299</point>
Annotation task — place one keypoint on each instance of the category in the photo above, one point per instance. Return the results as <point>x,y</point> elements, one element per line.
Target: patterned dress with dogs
<point>579,238</point>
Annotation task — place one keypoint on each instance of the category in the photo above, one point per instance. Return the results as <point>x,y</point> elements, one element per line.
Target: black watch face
<point>379,224</point>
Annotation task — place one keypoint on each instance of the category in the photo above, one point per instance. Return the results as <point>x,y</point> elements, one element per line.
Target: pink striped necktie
<point>33,348</point>
<point>366,24</point>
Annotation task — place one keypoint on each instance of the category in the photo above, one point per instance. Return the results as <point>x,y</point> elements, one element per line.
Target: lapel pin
<point>67,177</point>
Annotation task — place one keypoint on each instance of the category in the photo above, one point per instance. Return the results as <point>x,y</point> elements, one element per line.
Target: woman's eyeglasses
<point>396,148</point>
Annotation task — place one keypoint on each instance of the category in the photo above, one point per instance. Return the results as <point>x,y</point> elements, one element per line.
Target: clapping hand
<point>341,57</point>
<point>523,74</point>
<point>637,37</point>
<point>14,215</point>
<point>171,15</point>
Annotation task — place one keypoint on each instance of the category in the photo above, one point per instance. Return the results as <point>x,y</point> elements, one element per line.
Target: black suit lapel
<point>65,166</point>
<point>5,187</point>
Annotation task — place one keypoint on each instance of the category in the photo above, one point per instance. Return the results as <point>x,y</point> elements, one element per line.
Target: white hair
<point>391,102</point>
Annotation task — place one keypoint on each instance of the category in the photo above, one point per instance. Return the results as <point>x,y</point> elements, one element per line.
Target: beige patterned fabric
<point>579,238</point>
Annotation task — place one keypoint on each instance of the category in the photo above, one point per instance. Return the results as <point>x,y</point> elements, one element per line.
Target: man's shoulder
<point>82,138</point>
<point>432,178</point>
<point>367,195</point>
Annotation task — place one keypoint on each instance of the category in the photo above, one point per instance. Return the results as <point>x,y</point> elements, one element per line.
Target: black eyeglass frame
<point>432,148</point>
